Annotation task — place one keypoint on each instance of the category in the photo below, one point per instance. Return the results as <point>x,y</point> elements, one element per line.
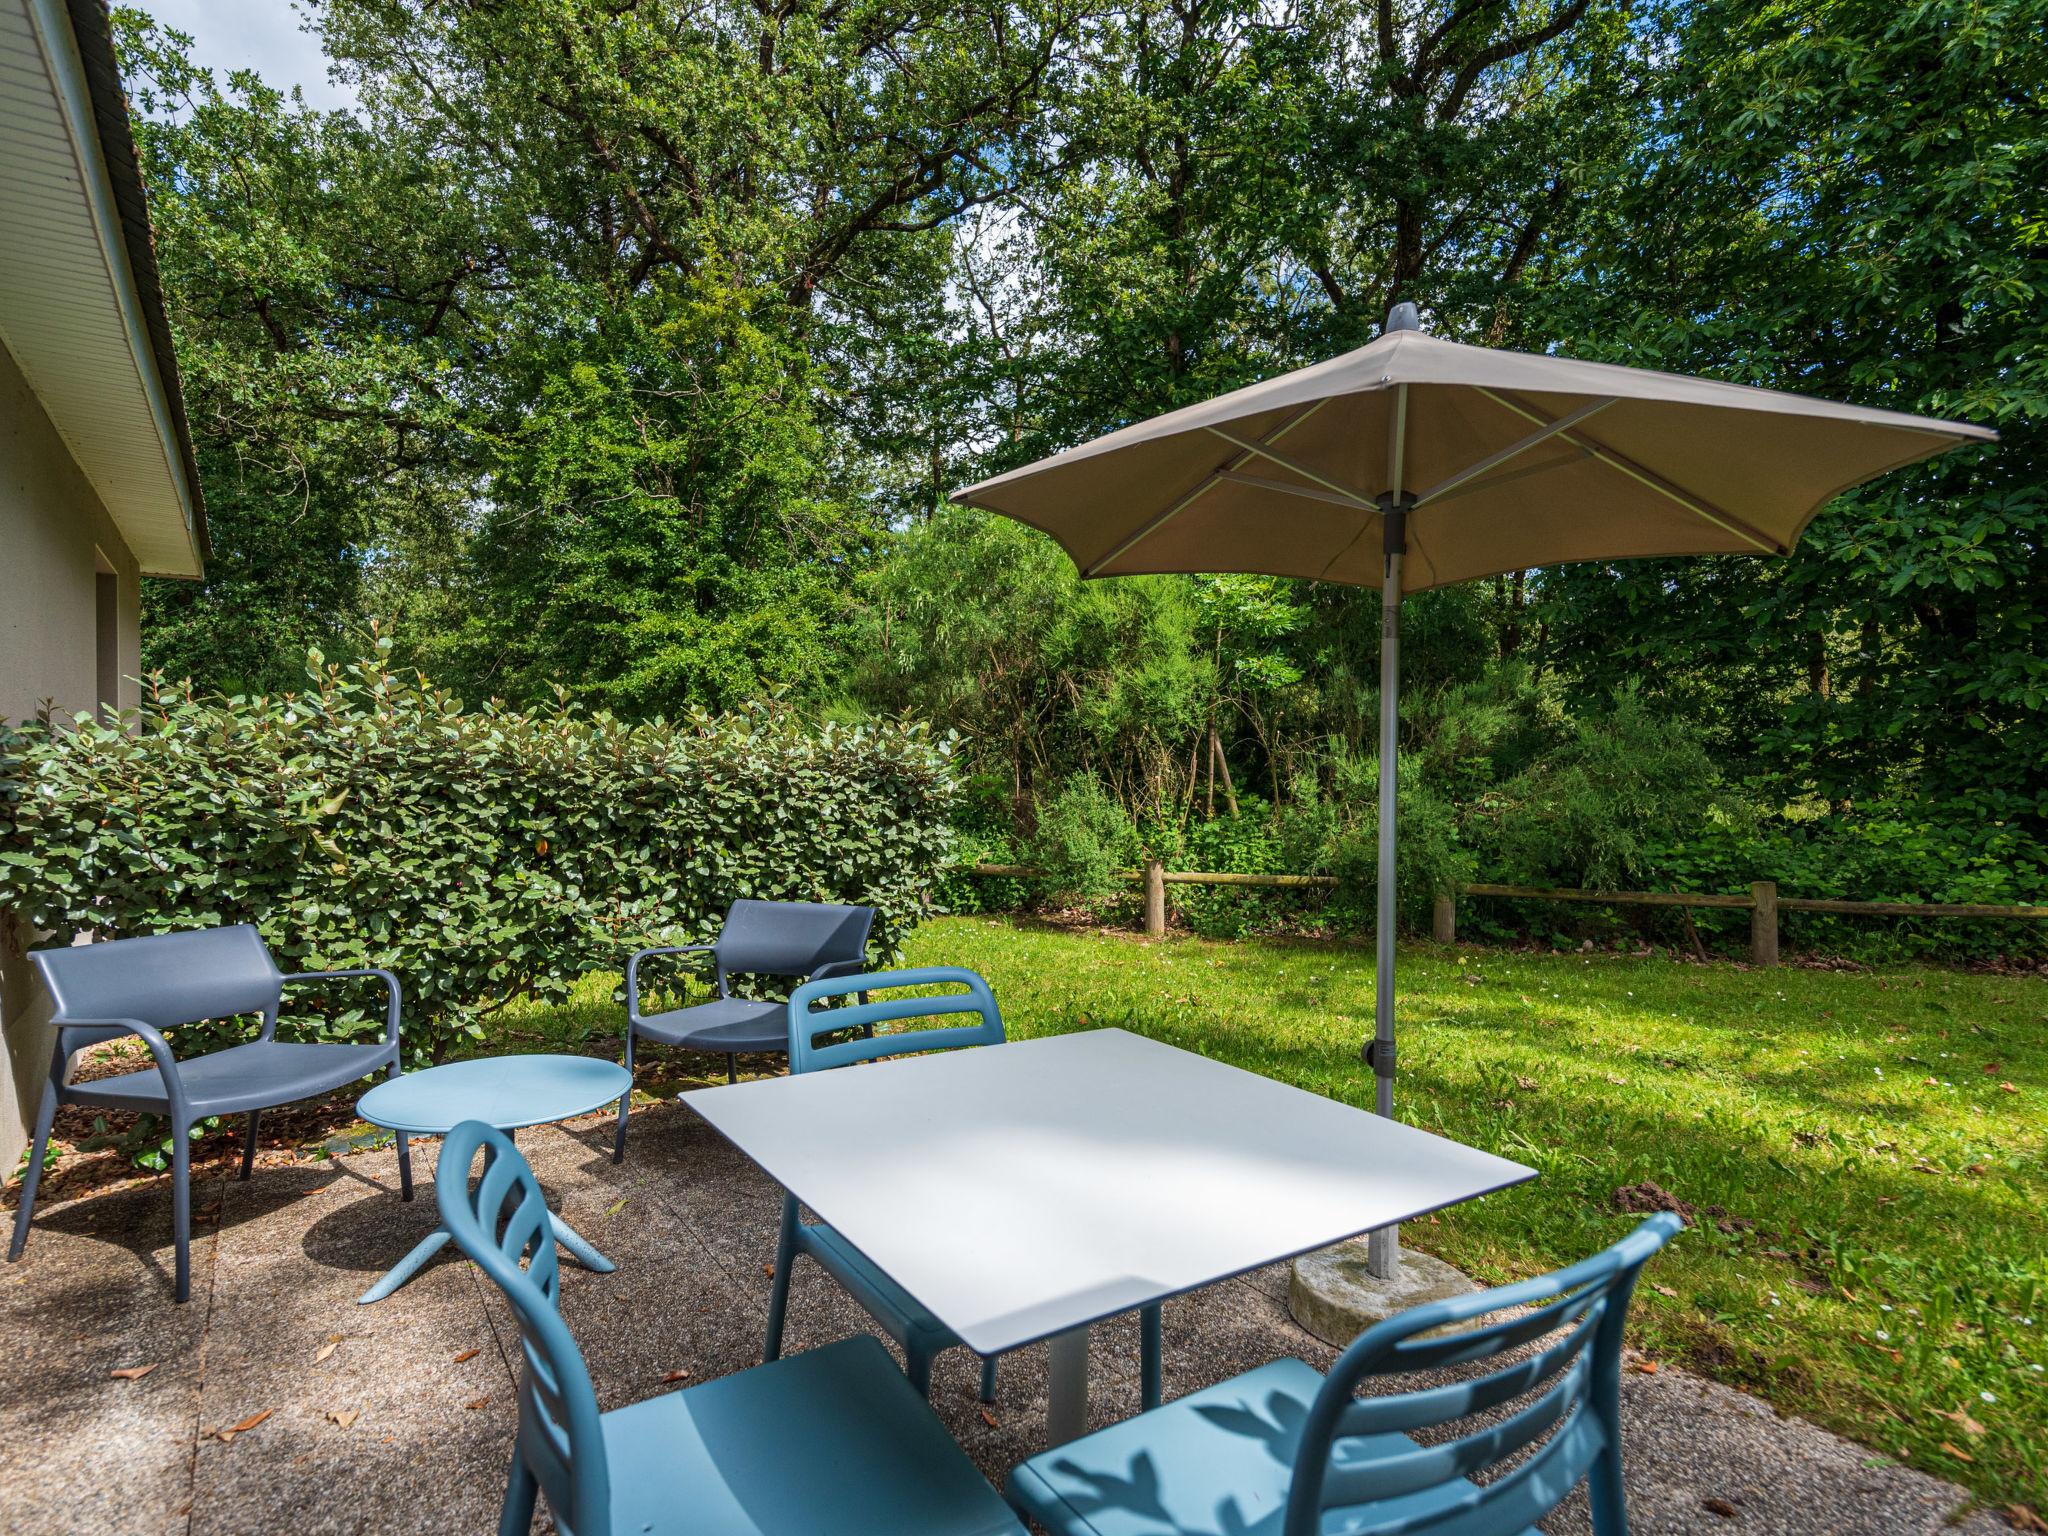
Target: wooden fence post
<point>1155,899</point>
<point>1443,921</point>
<point>1763,922</point>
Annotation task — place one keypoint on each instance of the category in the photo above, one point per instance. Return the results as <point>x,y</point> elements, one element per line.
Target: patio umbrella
<point>1416,462</point>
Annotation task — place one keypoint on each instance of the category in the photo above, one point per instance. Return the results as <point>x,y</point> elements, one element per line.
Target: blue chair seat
<point>906,1321</point>
<point>1216,1460</point>
<point>726,1026</point>
<point>830,1441</point>
<point>242,1077</point>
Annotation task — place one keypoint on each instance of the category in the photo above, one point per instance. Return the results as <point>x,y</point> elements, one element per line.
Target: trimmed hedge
<point>482,854</point>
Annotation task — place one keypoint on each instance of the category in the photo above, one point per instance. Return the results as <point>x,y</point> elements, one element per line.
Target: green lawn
<point>1875,1140</point>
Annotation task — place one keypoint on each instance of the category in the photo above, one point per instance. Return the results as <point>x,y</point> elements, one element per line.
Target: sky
<point>263,35</point>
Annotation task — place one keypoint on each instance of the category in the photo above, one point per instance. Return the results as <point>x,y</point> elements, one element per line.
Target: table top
<point>1024,1189</point>
<point>503,1091</point>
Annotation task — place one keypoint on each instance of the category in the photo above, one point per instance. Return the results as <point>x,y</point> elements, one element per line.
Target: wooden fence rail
<point>1763,903</point>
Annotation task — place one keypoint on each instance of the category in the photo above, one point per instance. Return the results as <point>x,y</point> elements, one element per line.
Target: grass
<point>1873,1141</point>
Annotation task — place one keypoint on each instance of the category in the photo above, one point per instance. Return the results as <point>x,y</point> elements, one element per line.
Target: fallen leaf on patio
<point>467,1354</point>
<point>2021,1518</point>
<point>226,1436</point>
<point>616,1206</point>
<point>989,1419</point>
<point>675,1376</point>
<point>1959,1454</point>
<point>1647,1367</point>
<point>768,1270</point>
<point>1719,1507</point>
<point>345,1417</point>
<point>480,1402</point>
<point>131,1372</point>
<point>1662,1290</point>
<point>1962,1420</point>
<point>333,1343</point>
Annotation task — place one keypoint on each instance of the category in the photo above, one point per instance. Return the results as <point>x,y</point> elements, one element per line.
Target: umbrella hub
<point>1403,317</point>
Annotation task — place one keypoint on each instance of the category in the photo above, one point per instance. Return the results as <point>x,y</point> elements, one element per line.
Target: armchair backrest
<point>498,1224</point>
<point>1570,1387</point>
<point>791,938</point>
<point>163,979</point>
<point>807,1023</point>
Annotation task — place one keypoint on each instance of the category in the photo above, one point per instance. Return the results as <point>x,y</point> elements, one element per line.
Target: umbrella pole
<point>1383,1249</point>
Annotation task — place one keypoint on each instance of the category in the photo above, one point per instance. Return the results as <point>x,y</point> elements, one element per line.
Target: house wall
<point>56,542</point>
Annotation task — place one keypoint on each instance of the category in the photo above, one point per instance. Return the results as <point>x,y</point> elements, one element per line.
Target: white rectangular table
<point>1025,1191</point>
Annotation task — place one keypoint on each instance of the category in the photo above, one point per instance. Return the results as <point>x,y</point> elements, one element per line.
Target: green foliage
<point>481,854</point>
<point>633,349</point>
<point>1595,811</point>
<point>1084,840</point>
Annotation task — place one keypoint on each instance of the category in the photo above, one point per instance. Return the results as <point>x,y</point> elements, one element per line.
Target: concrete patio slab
<point>398,1417</point>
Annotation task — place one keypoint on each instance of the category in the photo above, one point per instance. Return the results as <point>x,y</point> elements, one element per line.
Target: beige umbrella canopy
<point>1415,463</point>
<point>1511,461</point>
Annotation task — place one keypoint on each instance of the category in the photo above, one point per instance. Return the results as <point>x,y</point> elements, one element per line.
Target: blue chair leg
<point>917,1365</point>
<point>34,1176</point>
<point>1150,1335</point>
<point>778,1286</point>
<point>181,1206</point>
<point>249,1144</point>
<point>520,1490</point>
<point>988,1379</point>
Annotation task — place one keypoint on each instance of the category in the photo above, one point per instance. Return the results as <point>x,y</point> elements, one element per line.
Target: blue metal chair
<point>803,939</point>
<point>922,1335</point>
<point>1286,1451</point>
<point>148,985</point>
<point>832,1442</point>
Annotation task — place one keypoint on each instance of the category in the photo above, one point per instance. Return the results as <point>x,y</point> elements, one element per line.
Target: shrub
<point>482,854</point>
<point>1085,839</point>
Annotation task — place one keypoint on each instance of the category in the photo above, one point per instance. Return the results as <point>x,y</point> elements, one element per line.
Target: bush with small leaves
<point>482,854</point>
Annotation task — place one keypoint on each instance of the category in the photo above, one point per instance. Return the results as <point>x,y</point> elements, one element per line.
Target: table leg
<point>1066,1414</point>
<point>406,1267</point>
<point>579,1246</point>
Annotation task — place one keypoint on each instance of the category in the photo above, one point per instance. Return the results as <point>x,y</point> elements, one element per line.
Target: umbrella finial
<point>1403,317</point>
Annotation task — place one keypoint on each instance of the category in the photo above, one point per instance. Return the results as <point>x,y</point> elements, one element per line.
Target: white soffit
<point>69,311</point>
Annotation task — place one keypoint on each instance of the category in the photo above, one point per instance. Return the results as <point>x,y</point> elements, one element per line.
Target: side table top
<point>506,1092</point>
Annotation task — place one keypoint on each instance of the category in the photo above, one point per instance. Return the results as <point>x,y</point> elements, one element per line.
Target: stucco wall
<point>53,534</point>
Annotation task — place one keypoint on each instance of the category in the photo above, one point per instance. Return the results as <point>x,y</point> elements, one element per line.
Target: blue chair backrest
<point>500,1222</point>
<point>806,1025</point>
<point>163,979</point>
<point>791,938</point>
<point>1573,1383</point>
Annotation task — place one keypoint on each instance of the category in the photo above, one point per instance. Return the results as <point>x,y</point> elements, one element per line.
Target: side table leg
<point>1066,1413</point>
<point>579,1247</point>
<point>406,1267</point>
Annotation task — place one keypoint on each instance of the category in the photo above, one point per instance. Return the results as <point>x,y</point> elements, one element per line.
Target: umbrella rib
<point>1214,477</point>
<point>1727,521</point>
<point>1264,451</point>
<point>1310,492</point>
<point>1563,424</point>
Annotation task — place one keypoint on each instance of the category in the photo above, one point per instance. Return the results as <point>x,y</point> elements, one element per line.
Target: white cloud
<point>267,36</point>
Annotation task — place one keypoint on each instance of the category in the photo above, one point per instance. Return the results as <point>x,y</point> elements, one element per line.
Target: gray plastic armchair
<point>805,940</point>
<point>148,985</point>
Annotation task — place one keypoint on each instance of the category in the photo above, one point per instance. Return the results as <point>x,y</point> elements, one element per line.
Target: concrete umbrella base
<point>1336,1297</point>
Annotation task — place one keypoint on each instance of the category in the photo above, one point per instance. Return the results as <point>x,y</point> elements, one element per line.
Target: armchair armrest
<point>390,986</point>
<point>633,970</point>
<point>107,1029</point>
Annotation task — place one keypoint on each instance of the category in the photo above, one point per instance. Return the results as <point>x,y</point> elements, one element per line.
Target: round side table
<point>505,1092</point>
